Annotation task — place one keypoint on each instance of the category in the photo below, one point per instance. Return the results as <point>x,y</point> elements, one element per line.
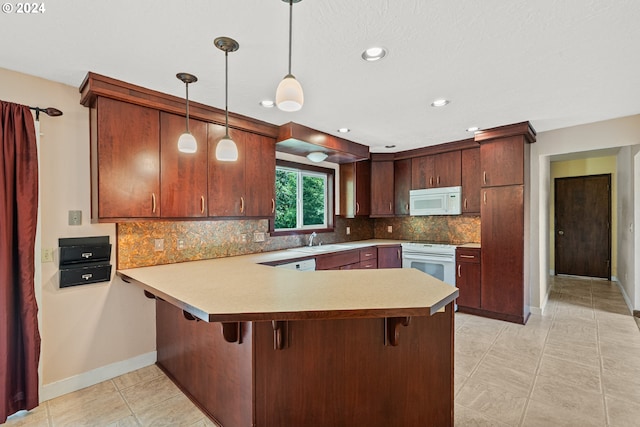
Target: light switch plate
<point>348,230</point>
<point>258,236</point>
<point>389,228</point>
<point>158,245</point>
<point>75,217</point>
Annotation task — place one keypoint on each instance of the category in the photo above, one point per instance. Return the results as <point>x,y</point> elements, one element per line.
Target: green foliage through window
<point>301,199</point>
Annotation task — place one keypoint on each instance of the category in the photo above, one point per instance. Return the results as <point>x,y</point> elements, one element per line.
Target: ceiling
<point>554,63</point>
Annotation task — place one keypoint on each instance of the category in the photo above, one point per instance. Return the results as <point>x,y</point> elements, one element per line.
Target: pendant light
<point>187,143</point>
<point>226,150</point>
<point>289,96</point>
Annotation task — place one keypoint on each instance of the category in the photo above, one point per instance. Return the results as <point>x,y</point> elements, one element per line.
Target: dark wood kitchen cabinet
<point>382,189</point>
<point>183,176</point>
<point>436,170</point>
<point>471,175</point>
<point>355,189</point>
<point>401,186</point>
<point>390,256</point>
<point>125,161</point>
<point>245,187</point>
<point>468,277</point>
<point>502,161</point>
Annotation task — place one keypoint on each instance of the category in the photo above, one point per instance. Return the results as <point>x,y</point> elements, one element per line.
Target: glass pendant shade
<point>226,150</point>
<point>187,143</point>
<point>317,156</point>
<point>289,96</point>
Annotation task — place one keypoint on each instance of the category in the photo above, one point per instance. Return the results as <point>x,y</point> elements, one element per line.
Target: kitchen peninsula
<point>255,345</point>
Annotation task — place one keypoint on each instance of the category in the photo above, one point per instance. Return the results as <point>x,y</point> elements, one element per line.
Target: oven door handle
<point>429,257</point>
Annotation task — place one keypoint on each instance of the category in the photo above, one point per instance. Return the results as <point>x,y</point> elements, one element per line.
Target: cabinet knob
<point>561,233</point>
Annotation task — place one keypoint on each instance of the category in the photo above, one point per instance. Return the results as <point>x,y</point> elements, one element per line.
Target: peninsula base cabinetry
<point>327,372</point>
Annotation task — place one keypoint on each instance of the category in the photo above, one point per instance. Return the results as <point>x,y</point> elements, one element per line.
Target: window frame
<point>330,201</point>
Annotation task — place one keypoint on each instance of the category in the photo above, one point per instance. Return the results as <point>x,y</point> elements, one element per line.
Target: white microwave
<point>435,201</point>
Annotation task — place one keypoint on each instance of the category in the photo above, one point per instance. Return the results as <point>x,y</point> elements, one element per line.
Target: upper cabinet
<point>355,189</point>
<point>436,170</point>
<point>183,176</point>
<point>382,190</point>
<point>402,185</point>
<point>125,160</point>
<point>471,181</point>
<point>502,161</point>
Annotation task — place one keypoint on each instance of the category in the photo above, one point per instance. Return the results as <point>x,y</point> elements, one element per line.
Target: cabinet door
<point>448,168</point>
<point>422,172</point>
<point>502,161</point>
<point>390,256</point>
<point>468,277</point>
<point>402,185</point>
<point>126,161</point>
<point>382,188</point>
<point>183,177</point>
<point>471,176</point>
<point>226,179</point>
<point>363,188</point>
<point>502,235</point>
<point>355,189</point>
<point>260,175</point>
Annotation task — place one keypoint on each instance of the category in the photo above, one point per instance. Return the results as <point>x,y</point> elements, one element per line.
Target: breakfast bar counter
<point>256,345</point>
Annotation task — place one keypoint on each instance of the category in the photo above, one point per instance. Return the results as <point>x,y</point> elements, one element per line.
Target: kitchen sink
<point>321,248</point>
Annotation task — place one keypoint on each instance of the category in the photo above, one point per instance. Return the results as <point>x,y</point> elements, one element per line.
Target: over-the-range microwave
<point>435,201</point>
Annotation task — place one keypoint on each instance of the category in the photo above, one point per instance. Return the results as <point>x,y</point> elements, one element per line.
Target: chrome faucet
<point>311,237</point>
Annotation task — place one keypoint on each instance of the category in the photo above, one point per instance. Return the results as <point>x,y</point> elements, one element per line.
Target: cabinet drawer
<point>367,254</point>
<point>337,259</point>
<point>468,255</point>
<point>370,264</point>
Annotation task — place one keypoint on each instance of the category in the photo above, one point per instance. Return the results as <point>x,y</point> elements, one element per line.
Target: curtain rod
<point>50,111</point>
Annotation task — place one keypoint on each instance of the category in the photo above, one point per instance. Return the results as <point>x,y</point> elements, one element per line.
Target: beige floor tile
<point>571,373</point>
<point>129,421</point>
<point>529,348</point>
<point>505,372</point>
<point>176,411</point>
<point>205,422</point>
<point>573,352</point>
<point>465,417</point>
<point>494,402</point>
<point>555,392</point>
<point>546,415</point>
<point>622,413</point>
<point>138,376</point>
<point>37,417</point>
<point>104,410</point>
<point>621,385</point>
<point>81,397</point>
<point>479,331</point>
<point>458,382</point>
<point>149,393</point>
<point>466,364</point>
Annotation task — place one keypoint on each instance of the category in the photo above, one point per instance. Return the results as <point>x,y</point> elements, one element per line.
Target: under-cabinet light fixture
<point>289,95</point>
<point>226,150</point>
<point>317,156</point>
<point>187,143</point>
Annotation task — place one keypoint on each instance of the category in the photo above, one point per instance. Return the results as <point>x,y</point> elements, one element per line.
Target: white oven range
<point>435,259</point>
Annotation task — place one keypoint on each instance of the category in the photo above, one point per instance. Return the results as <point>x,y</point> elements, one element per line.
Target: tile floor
<point>577,365</point>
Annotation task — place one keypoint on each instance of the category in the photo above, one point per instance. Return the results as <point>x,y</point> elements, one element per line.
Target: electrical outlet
<point>258,236</point>
<point>389,228</point>
<point>158,245</point>
<point>348,230</point>
<point>243,238</point>
<point>181,245</point>
<point>47,255</point>
<point>75,217</point>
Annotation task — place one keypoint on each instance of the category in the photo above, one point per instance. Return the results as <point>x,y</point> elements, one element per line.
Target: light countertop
<point>242,289</point>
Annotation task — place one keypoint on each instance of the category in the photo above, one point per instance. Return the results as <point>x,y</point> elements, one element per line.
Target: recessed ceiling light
<point>440,102</point>
<point>374,53</point>
<point>267,103</point>
<point>390,146</point>
<point>473,129</point>
<point>344,130</point>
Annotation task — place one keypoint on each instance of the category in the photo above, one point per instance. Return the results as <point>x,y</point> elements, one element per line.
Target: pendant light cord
<point>226,93</point>
<point>290,31</point>
<point>187,85</point>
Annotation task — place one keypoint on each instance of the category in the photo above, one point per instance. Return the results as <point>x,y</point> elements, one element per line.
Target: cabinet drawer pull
<point>398,253</point>
<point>241,204</point>
<point>459,270</point>
<point>201,204</point>
<point>368,254</point>
<point>484,177</point>
<point>467,256</point>
<point>87,254</point>
<point>153,202</point>
<point>390,207</point>
<point>273,205</point>
<point>430,181</point>
<point>465,203</point>
<point>357,207</point>
<point>438,180</point>
<point>484,197</point>
<point>87,276</point>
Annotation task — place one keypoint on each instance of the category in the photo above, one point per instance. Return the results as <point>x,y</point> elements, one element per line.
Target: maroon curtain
<point>19,336</point>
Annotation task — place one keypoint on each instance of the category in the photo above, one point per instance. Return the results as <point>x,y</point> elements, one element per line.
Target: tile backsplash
<point>450,229</point>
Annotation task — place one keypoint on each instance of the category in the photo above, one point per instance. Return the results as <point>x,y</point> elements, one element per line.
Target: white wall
<point>620,132</point>
<point>92,332</point>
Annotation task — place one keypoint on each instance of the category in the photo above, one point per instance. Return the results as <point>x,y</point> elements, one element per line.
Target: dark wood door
<point>448,169</point>
<point>260,175</point>
<point>382,188</point>
<point>363,188</point>
<point>422,172</point>
<point>183,177</point>
<point>128,160</point>
<point>468,277</point>
<point>390,256</point>
<point>226,179</point>
<point>471,175</point>
<point>502,161</point>
<point>582,226</point>
<point>502,235</point>
<point>401,185</point>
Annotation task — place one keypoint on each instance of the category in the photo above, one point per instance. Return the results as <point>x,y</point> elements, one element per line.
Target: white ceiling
<point>556,63</point>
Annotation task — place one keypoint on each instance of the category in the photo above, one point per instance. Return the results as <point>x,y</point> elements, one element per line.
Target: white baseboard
<point>103,373</point>
<point>627,300</point>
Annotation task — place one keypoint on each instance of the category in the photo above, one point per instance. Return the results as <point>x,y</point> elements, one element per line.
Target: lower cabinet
<point>390,256</point>
<point>360,259</point>
<point>468,277</point>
